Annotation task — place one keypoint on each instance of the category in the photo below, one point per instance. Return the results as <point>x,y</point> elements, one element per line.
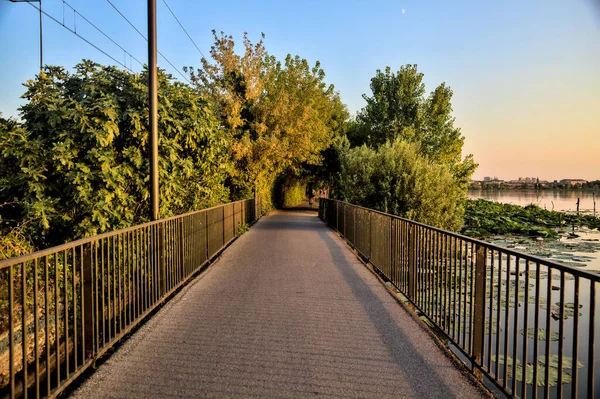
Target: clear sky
<point>525,74</point>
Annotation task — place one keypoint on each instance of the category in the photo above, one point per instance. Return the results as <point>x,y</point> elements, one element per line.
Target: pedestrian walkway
<point>288,311</point>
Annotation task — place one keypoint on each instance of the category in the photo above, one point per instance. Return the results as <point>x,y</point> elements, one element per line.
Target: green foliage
<point>398,108</point>
<point>521,372</point>
<point>542,336</point>
<point>78,165</point>
<point>13,243</point>
<point>395,178</point>
<point>410,163</point>
<point>294,192</point>
<point>484,218</point>
<point>395,108</point>
<point>242,228</point>
<point>278,116</point>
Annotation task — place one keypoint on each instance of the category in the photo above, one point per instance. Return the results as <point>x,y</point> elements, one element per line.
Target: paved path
<point>288,311</point>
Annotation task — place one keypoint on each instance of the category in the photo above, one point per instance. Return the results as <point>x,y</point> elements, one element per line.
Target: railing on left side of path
<point>529,324</point>
<point>63,307</point>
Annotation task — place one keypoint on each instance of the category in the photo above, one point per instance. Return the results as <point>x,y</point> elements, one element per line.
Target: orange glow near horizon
<point>550,129</point>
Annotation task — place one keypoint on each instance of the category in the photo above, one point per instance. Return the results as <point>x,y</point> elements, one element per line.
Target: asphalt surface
<point>288,311</point>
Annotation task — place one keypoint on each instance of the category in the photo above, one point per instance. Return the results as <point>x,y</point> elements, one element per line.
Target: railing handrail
<point>68,305</point>
<point>485,300</point>
<point>85,240</point>
<point>573,270</point>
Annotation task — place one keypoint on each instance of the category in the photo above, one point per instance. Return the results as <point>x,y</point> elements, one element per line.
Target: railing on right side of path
<point>63,307</point>
<point>529,324</point>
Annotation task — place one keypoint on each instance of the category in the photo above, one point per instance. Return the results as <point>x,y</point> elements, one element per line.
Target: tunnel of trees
<point>75,162</point>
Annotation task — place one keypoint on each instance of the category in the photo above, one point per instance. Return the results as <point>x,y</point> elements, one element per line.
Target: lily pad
<point>541,371</point>
<point>554,336</point>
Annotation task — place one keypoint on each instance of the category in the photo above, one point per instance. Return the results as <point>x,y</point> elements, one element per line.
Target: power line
<point>100,30</point>
<point>188,35</point>
<point>129,22</point>
<point>146,39</point>
<point>83,38</point>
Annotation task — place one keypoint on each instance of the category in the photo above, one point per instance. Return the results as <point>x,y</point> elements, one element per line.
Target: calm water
<point>581,252</point>
<point>549,199</point>
<point>586,246</point>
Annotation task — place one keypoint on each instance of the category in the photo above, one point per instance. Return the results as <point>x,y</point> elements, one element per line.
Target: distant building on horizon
<point>572,182</point>
<point>528,179</point>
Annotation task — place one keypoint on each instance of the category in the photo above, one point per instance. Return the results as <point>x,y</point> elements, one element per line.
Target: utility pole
<point>41,41</point>
<point>153,108</point>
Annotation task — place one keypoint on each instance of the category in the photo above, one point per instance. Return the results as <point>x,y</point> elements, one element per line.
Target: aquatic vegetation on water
<point>567,368</point>
<point>542,336</point>
<point>485,218</point>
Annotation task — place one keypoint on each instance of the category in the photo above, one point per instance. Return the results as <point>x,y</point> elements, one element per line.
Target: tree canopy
<point>77,165</point>
<point>398,108</point>
<point>278,115</point>
<point>395,178</point>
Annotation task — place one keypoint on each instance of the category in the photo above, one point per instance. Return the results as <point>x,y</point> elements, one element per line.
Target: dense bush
<point>410,162</point>
<point>78,165</point>
<point>394,178</point>
<point>294,192</point>
<point>399,109</point>
<point>13,243</point>
<point>278,115</point>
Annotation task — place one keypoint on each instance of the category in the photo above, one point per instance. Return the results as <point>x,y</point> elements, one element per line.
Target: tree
<point>78,164</point>
<point>398,108</point>
<point>395,178</point>
<point>277,116</point>
<point>395,107</point>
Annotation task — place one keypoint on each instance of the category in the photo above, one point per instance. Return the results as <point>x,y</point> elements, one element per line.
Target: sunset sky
<point>525,74</point>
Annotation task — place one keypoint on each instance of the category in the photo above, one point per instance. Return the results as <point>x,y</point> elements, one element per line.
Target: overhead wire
<point>146,39</point>
<point>102,32</point>
<point>186,32</point>
<point>83,38</point>
<point>128,21</point>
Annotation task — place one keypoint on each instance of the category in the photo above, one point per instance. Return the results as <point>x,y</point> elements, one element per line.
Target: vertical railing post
<point>479,320</point>
<point>392,275</point>
<point>242,213</point>
<point>182,248</point>
<point>223,222</point>
<point>206,231</point>
<point>87,295</point>
<point>370,236</point>
<point>234,222</point>
<point>255,205</point>
<point>412,262</point>
<point>354,227</point>
<point>161,256</point>
<point>344,217</point>
<point>337,216</point>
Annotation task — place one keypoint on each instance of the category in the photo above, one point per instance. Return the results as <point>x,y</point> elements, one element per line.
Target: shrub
<point>294,192</point>
<point>78,164</point>
<point>394,178</point>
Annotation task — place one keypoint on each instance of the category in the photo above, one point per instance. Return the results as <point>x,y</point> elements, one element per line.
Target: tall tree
<point>77,165</point>
<point>398,109</point>
<point>395,107</point>
<point>277,116</point>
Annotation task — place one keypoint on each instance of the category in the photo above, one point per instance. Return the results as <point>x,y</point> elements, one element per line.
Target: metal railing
<point>63,307</point>
<point>526,323</point>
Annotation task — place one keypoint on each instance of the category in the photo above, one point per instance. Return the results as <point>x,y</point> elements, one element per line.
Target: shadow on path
<point>422,377</point>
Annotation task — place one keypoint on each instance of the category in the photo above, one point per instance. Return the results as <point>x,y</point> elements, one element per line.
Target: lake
<point>563,201</point>
<point>582,252</point>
